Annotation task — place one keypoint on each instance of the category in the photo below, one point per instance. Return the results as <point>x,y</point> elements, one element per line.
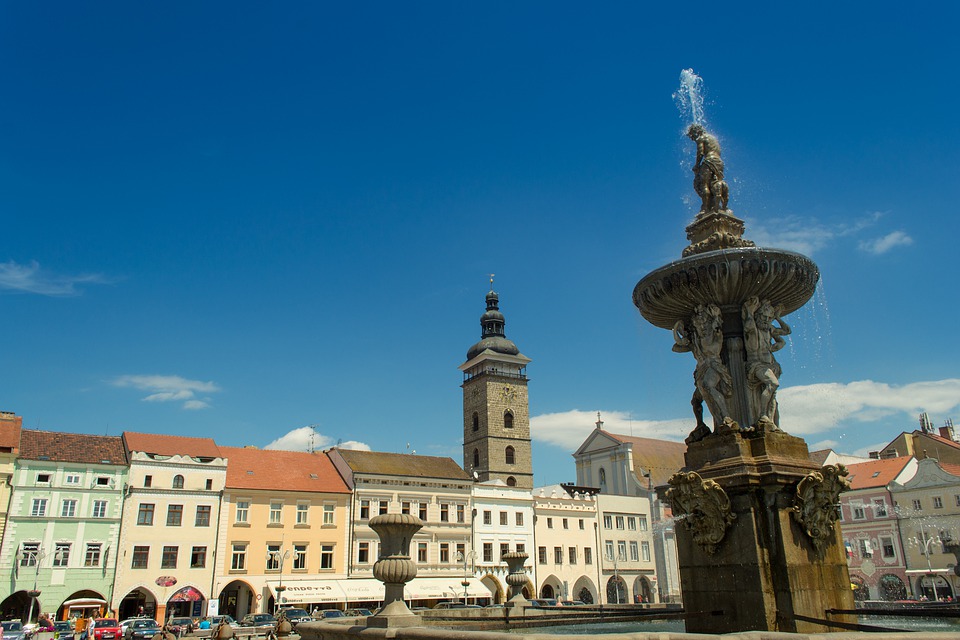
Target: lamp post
<point>279,558</point>
<point>614,558</point>
<point>924,543</point>
<point>36,557</point>
<point>465,558</point>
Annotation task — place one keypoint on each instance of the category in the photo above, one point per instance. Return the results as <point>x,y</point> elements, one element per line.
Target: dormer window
<point>178,482</point>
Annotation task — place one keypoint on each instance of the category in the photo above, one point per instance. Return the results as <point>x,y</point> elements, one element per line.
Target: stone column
<point>394,568</point>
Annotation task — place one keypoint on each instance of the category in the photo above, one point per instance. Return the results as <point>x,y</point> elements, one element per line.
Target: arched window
<point>476,421</point>
<point>508,420</point>
<point>178,482</point>
<point>509,455</point>
<point>511,481</point>
<point>476,458</point>
<point>603,479</point>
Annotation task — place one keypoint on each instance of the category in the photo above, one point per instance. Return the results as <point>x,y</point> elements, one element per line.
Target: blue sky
<point>240,219</point>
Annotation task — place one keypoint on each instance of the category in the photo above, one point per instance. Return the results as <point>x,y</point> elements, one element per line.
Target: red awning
<point>187,594</point>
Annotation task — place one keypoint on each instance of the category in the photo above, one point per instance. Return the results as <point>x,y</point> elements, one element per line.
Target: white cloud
<point>30,278</point>
<point>170,389</point>
<point>806,235</point>
<point>305,438</point>
<point>879,246</point>
<point>570,428</point>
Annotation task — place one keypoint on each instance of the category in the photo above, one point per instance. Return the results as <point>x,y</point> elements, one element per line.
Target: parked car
<point>12,629</point>
<point>181,625</point>
<point>63,628</point>
<point>141,629</point>
<point>106,629</point>
<point>126,623</point>
<point>332,613</point>
<point>215,620</point>
<point>358,613</point>
<point>258,620</point>
<point>295,615</point>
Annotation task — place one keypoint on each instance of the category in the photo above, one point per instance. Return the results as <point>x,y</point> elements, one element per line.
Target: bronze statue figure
<point>708,179</point>
<point>762,338</point>
<point>712,380</point>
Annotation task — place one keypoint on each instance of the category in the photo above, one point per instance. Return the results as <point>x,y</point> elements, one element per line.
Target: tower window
<point>178,482</point>
<point>476,421</point>
<point>511,481</point>
<point>508,420</point>
<point>476,458</point>
<point>509,454</point>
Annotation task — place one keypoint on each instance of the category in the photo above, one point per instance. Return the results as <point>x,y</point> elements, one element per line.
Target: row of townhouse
<point>168,525</point>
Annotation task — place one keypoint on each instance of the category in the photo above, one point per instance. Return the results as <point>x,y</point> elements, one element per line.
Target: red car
<point>106,629</point>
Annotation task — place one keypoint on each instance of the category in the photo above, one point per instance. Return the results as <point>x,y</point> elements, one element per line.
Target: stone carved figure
<point>708,179</point>
<point>815,504</point>
<point>712,380</point>
<point>704,506</point>
<point>762,338</point>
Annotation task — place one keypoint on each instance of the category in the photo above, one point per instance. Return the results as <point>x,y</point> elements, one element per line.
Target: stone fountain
<point>759,549</point>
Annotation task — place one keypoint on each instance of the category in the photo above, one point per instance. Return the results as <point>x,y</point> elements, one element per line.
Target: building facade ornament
<point>704,507</point>
<point>815,505</point>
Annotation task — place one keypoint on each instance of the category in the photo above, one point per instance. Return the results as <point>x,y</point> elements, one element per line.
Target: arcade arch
<point>617,591</point>
<point>584,590</point>
<point>237,599</point>
<point>139,601</point>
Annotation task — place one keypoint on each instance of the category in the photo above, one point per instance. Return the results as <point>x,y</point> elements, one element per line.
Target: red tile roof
<point>171,445</point>
<point>281,471</point>
<point>876,473</point>
<point>10,430</point>
<point>952,469</point>
<point>72,447</point>
<point>661,458</point>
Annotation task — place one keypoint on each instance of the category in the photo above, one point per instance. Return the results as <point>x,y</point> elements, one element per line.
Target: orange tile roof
<point>952,469</point>
<point>10,430</point>
<point>72,447</point>
<point>662,458</point>
<point>941,439</point>
<point>164,445</point>
<point>281,471</point>
<point>403,464</point>
<point>876,473</point>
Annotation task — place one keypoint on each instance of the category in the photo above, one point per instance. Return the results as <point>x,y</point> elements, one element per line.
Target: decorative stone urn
<point>394,568</point>
<point>517,577</point>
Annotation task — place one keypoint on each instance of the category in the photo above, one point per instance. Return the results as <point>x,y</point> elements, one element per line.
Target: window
<point>421,552</point>
<point>509,455</point>
<point>148,481</point>
<point>503,518</point>
<point>957,499</point>
<point>329,510</point>
<point>487,517</point>
<point>462,552</point>
<point>383,507</point>
<point>174,515</point>
<point>274,558</point>
<point>917,506</point>
<point>422,509</point>
<point>68,509</point>
<point>92,556</point>
<point>608,545</point>
<point>363,553</point>
<point>643,522</point>
<point>99,508</point>
<point>141,556</point>
<point>43,478</point>
<point>203,516</point>
<point>169,558</point>
<point>145,515</point>
<point>549,523</point>
<point>444,552</point>
<point>238,559</point>
<point>645,551</point>
<point>508,420</point>
<point>302,511</point>
<point>364,509</point>
<point>476,458</point>
<point>572,555</point>
<point>243,511</point>
<point>444,512</point>
<point>866,550</point>
<point>622,549</point>
<point>619,522</point>
<point>542,555</point>
<point>476,421</point>
<point>405,507</point>
<point>39,508</point>
<point>858,513</point>
<point>519,518</point>
<point>603,479</point>
<point>521,548</point>
<point>61,555</point>
<point>608,522</point>
<point>461,513</point>
<point>208,485</point>
<point>488,552</point>
<point>587,555</point>
<point>634,551</point>
<point>28,554</point>
<point>879,508</point>
<point>937,502</point>
<point>886,545</point>
<point>632,523</point>
<point>504,549</point>
<point>178,481</point>
<point>300,557</point>
<point>198,557</point>
<point>581,524</point>
<point>103,481</point>
<point>511,481</point>
<point>72,478</point>
<point>558,555</point>
<point>276,510</point>
<point>566,525</point>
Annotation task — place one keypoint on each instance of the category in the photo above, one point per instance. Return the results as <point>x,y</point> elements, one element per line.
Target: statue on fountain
<point>708,179</point>
<point>712,381</point>
<point>761,339</point>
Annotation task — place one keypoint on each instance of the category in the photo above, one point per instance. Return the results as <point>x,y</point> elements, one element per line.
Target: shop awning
<point>445,589</point>
<point>918,572</point>
<point>187,594</point>
<point>371,590</point>
<point>84,603</point>
<point>363,590</point>
<point>309,591</point>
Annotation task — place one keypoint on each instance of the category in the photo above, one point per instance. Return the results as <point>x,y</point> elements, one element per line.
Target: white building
<point>565,535</point>
<point>503,523</point>
<point>626,545</point>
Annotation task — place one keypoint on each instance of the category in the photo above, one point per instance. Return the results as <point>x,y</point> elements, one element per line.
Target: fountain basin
<point>726,277</point>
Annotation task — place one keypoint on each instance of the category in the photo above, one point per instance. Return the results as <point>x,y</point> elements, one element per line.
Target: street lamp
<point>34,556</point>
<point>279,558</point>
<point>925,542</point>
<point>470,556</point>
<point>615,558</point>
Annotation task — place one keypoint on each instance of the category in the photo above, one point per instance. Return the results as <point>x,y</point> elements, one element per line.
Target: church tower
<point>496,417</point>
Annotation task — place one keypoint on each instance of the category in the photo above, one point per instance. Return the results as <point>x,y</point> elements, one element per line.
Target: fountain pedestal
<point>394,569</point>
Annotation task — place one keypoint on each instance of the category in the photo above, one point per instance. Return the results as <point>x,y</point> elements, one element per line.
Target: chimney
<point>946,432</point>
